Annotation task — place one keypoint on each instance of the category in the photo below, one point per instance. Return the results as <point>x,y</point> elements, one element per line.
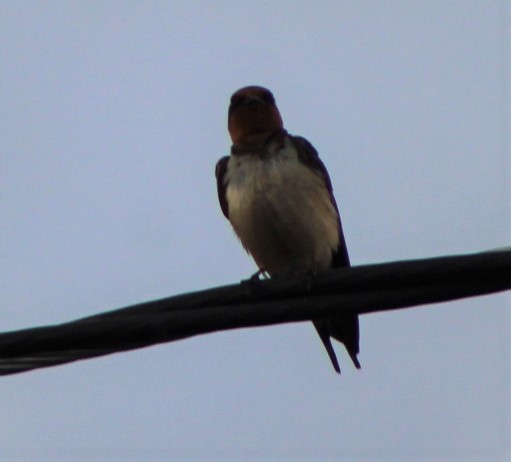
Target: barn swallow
<point>277,195</point>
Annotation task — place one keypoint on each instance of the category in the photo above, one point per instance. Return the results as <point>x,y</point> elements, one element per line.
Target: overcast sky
<point>113,115</point>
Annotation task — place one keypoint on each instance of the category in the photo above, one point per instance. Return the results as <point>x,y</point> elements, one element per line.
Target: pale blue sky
<point>113,115</point>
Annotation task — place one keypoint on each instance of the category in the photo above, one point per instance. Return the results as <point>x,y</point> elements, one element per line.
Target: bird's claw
<point>252,284</point>
<point>261,274</point>
<point>309,276</point>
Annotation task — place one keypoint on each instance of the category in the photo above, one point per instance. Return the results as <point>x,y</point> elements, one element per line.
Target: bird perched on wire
<point>277,194</point>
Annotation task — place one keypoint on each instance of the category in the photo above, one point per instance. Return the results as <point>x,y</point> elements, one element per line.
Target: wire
<point>360,289</point>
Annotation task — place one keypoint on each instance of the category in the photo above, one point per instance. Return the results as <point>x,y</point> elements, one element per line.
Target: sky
<point>112,118</point>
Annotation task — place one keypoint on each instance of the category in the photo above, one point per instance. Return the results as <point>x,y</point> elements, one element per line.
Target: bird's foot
<point>260,275</point>
<point>308,275</point>
<point>253,283</point>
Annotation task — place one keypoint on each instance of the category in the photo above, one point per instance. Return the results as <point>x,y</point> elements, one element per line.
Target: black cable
<point>360,289</point>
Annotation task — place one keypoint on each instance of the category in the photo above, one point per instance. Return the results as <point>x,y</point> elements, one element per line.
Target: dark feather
<point>345,329</point>
<point>220,170</point>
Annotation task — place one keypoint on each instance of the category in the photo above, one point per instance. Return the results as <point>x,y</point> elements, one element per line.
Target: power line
<point>360,289</point>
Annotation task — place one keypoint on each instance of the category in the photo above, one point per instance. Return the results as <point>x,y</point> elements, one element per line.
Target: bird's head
<point>253,116</point>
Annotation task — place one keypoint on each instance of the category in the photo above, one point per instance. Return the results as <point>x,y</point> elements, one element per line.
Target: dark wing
<point>310,157</point>
<point>220,170</point>
<point>345,329</point>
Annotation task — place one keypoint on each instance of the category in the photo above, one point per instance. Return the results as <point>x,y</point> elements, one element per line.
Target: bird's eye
<point>236,100</point>
<point>268,97</point>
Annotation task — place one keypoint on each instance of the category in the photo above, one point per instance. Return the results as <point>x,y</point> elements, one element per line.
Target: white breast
<point>282,212</point>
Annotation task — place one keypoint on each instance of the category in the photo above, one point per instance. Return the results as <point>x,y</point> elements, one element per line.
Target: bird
<point>277,194</point>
